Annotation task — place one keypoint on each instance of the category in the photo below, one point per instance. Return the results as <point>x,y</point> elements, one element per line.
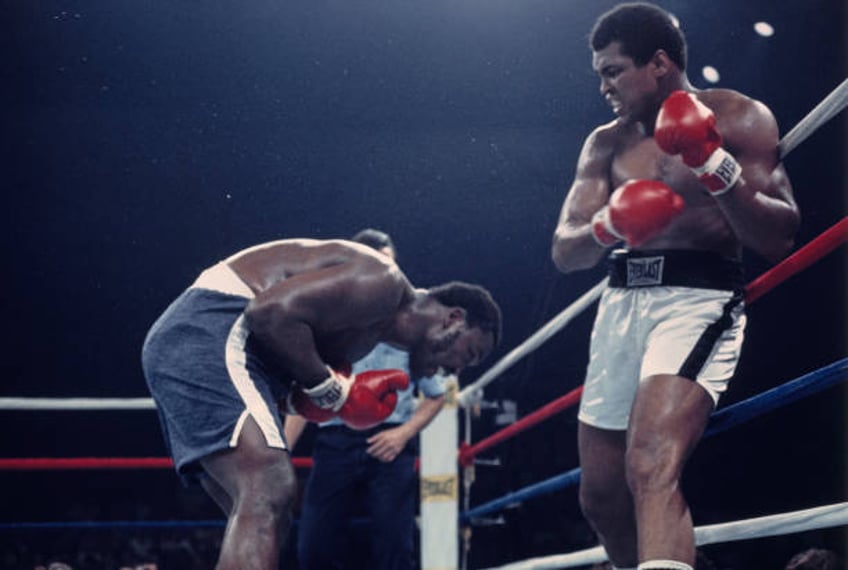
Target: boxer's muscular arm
<point>293,428</point>
<point>350,295</point>
<point>573,245</point>
<point>760,207</point>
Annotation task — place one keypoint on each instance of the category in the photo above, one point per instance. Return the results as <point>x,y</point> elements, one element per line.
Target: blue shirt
<point>383,357</point>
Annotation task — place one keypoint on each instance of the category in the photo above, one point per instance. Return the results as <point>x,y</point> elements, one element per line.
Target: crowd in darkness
<point>114,549</point>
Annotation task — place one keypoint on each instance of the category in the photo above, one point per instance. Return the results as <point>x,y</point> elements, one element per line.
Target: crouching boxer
<point>281,319</point>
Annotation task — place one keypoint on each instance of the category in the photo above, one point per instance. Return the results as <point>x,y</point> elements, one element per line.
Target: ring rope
<point>77,404</point>
<point>474,392</point>
<point>820,114</point>
<point>811,252</point>
<point>801,259</point>
<point>787,393</point>
<point>772,525</point>
<point>467,453</point>
<point>721,420</point>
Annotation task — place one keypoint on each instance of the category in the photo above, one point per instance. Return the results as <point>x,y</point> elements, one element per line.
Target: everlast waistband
<point>681,268</point>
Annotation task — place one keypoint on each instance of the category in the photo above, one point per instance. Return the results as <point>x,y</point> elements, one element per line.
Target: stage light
<point>764,29</point>
<point>710,73</point>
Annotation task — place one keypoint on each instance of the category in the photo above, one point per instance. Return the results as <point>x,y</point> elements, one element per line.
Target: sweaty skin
<point>322,303</point>
<point>758,208</point>
<point>346,294</point>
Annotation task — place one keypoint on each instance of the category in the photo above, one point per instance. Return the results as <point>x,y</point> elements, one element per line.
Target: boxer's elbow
<point>777,250</point>
<point>782,242</point>
<point>568,256</point>
<point>262,318</point>
<point>559,255</point>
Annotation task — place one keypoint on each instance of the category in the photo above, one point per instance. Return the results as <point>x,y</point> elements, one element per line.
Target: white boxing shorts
<point>665,312</point>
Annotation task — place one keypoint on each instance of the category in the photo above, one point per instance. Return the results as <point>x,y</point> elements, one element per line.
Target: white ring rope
<point>77,404</point>
<point>821,113</point>
<point>474,392</point>
<point>760,527</point>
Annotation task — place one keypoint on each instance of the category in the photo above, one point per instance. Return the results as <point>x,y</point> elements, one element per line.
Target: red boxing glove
<point>372,397</point>
<point>637,211</point>
<point>361,401</point>
<point>687,127</point>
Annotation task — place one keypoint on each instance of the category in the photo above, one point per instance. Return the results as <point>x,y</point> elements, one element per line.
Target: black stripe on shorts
<point>696,360</point>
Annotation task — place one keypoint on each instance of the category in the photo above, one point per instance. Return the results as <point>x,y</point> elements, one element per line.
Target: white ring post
<point>440,486</point>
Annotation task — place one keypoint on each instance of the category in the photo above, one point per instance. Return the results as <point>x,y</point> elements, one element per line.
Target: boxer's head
<point>639,54</point>
<point>468,329</point>
<point>641,29</point>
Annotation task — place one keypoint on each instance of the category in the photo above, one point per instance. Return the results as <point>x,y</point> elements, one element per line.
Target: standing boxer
<point>685,179</point>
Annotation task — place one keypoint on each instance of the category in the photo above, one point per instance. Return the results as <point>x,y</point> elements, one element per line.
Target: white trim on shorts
<point>221,278</point>
<point>255,405</point>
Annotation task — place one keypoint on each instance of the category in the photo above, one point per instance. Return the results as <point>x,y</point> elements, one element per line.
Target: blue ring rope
<point>720,421</point>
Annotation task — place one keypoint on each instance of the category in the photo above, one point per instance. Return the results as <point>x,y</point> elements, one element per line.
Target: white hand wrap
<point>330,394</point>
<point>720,172</point>
<point>602,230</point>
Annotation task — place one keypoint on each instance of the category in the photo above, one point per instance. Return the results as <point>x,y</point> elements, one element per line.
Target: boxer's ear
<point>660,63</point>
<point>455,315</point>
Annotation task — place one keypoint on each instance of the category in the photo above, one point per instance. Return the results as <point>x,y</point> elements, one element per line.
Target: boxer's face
<point>625,86</point>
<point>452,348</point>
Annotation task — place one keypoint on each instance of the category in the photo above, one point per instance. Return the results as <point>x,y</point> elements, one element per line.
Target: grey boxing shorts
<point>204,373</point>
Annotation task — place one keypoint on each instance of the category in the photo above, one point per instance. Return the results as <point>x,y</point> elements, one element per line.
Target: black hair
<point>642,29</point>
<point>481,309</point>
<point>374,238</point>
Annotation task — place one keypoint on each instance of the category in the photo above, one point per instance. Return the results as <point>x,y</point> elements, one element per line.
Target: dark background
<point>143,141</point>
